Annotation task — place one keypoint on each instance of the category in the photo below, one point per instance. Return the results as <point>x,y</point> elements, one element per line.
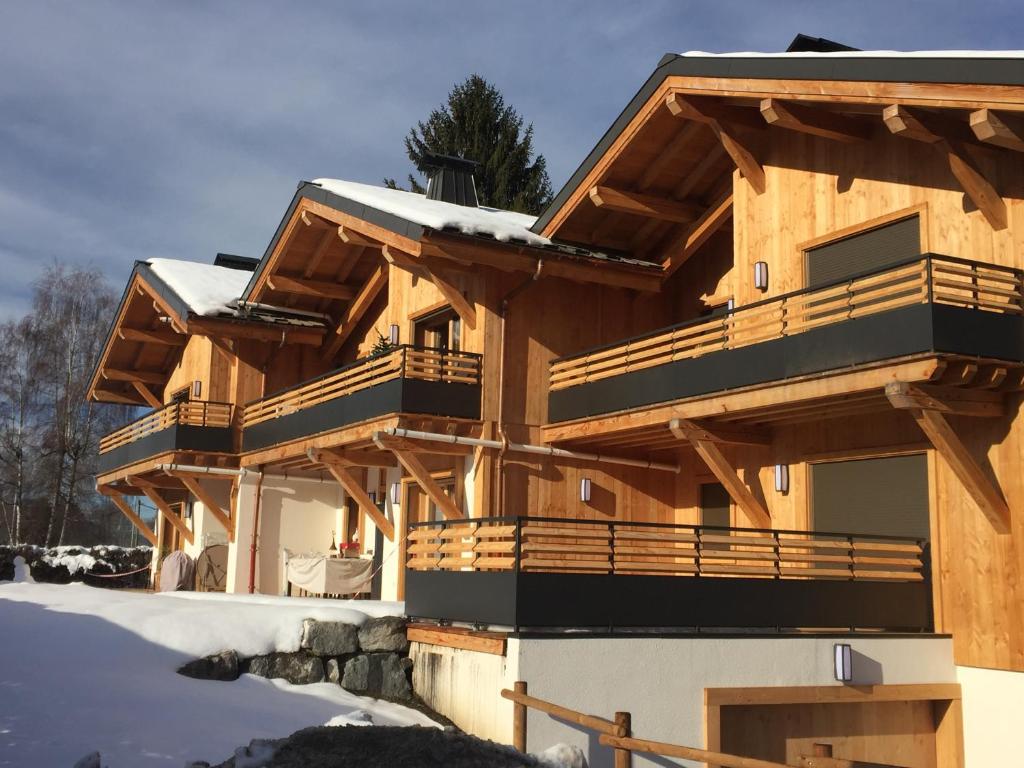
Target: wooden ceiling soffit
<point>434,270</point>
<point>723,119</point>
<point>815,121</point>
<point>166,338</point>
<point>929,411</point>
<point>950,138</point>
<point>354,312</point>
<point>999,129</point>
<point>320,289</point>
<point>680,249</point>
<point>350,484</point>
<point>221,328</point>
<point>707,448</point>
<point>667,156</point>
<point>144,377</point>
<point>104,396</point>
<point>641,204</point>
<point>513,258</point>
<point>119,501</point>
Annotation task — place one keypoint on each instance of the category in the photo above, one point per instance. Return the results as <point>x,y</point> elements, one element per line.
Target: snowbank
<point>59,565</point>
<point>86,669</point>
<point>436,214</point>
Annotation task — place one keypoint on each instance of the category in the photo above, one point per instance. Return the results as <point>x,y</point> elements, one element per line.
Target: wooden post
<point>623,757</point>
<point>519,719</point>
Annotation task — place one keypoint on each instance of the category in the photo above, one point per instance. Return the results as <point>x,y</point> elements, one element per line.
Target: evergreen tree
<point>476,124</point>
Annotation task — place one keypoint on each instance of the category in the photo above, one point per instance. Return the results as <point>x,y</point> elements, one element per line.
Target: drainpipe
<point>503,437</point>
<point>255,533</point>
<point>196,470</point>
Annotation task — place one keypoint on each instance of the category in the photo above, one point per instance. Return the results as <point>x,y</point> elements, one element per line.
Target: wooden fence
<point>579,546</point>
<point>401,362</point>
<point>932,278</point>
<point>195,413</point>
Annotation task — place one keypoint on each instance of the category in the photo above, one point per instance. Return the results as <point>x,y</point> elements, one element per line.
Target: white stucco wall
<point>661,681</point>
<point>993,707</point>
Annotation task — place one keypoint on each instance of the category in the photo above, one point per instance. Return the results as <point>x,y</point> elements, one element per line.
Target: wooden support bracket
<point>945,399</point>
<point>721,468</point>
<point>209,502</point>
<point>350,484</point>
<point>430,487</point>
<point>165,509</point>
<point>147,394</point>
<point>949,446</point>
<point>356,309</point>
<point>119,502</point>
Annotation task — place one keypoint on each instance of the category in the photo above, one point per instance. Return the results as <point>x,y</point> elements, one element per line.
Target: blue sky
<point>179,129</point>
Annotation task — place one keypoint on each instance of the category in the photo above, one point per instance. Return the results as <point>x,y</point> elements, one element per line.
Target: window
<point>440,330</point>
<point>181,395</point>
<point>866,251</point>
<point>872,496</point>
<point>715,505</point>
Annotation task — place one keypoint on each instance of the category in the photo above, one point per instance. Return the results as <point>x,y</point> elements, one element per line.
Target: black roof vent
<point>806,43</point>
<point>450,179</point>
<point>229,260</point>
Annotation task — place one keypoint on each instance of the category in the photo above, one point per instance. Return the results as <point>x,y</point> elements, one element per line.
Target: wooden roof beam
<point>728,434</point>
<point>144,377</point>
<point>320,289</point>
<point>814,121</point>
<point>640,204</point>
<point>683,247</point>
<point>149,336</point>
<point>356,309</point>
<point>104,396</point>
<point>944,399</point>
<point>951,138</point>
<point>270,332</point>
<point>147,394</point>
<point>327,239</point>
<point>948,445</point>
<point>352,237</point>
<point>667,156</point>
<point>720,467</point>
<point>998,129</point>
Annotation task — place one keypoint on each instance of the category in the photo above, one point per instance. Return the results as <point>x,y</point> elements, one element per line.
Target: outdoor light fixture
<point>585,490</point>
<point>396,493</point>
<point>197,388</point>
<point>843,658</point>
<point>761,275</point>
<point>782,478</point>
<point>393,335</point>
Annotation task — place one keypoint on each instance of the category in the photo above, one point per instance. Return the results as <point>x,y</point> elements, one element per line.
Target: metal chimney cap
<point>450,179</point>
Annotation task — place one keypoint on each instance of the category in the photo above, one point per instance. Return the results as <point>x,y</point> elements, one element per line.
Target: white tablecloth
<point>329,575</point>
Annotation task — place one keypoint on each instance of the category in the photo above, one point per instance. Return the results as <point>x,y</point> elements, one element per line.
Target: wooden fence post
<point>519,719</point>
<point>623,757</point>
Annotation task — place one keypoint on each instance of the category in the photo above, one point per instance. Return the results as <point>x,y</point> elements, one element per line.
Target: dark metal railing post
<point>519,546</point>
<point>405,358</point>
<point>926,573</point>
<point>930,277</point>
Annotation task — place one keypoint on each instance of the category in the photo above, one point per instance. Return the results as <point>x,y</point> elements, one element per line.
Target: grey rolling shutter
<point>864,252</point>
<point>884,496</point>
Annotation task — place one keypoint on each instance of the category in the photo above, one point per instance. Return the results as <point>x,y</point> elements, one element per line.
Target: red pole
<point>255,534</point>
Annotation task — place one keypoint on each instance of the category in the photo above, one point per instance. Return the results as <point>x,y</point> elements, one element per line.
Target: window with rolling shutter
<point>863,252</point>
<point>880,496</point>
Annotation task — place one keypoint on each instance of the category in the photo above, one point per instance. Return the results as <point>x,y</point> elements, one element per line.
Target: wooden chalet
<point>756,369</point>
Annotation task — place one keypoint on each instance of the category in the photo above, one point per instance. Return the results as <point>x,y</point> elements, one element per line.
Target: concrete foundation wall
<point>993,706</point>
<point>661,682</point>
<point>465,686</point>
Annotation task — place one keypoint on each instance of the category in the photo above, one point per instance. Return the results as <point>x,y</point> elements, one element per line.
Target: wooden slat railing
<point>401,362</point>
<point>931,278</point>
<point>196,413</point>
<point>581,546</point>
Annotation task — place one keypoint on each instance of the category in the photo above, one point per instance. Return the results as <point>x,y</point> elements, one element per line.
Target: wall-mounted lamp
<point>396,493</point>
<point>585,490</point>
<point>393,335</point>
<point>761,275</point>
<point>372,495</point>
<point>197,389</point>
<point>782,478</point>
<point>843,661</point>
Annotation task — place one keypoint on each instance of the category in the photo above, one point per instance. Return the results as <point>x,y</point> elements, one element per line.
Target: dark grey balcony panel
<point>608,601</point>
<point>180,437</point>
<point>433,398</point>
<point>916,329</point>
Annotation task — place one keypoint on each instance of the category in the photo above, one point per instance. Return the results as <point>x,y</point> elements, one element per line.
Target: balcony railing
<point>930,280</point>
<point>648,574</point>
<point>419,379</point>
<point>192,425</point>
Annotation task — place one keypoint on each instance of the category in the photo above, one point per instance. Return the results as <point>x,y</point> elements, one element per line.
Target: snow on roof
<point>206,289</point>
<point>436,214</point>
<point>861,55</point>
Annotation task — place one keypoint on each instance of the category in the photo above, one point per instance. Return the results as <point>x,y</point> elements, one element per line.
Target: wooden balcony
<point>932,304</point>
<point>549,572</point>
<point>190,426</point>
<point>405,379</point>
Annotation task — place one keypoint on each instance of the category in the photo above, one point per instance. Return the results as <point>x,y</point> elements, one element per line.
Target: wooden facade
<point>708,199</point>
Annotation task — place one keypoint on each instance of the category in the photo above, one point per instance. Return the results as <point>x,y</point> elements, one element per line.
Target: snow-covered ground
<point>85,669</point>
